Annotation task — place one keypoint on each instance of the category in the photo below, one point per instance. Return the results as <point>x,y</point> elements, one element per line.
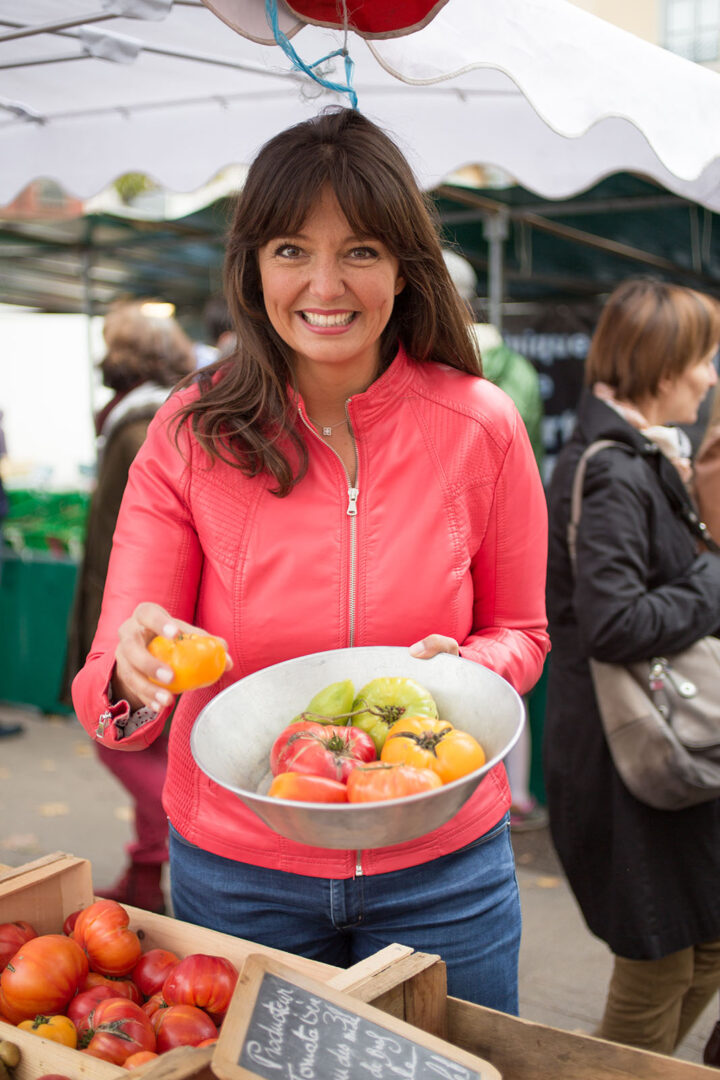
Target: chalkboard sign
<point>283,1026</point>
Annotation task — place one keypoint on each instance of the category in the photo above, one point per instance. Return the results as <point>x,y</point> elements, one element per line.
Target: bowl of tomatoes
<point>251,739</point>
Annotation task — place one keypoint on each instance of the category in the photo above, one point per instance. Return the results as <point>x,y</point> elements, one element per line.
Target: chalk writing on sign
<point>296,1035</point>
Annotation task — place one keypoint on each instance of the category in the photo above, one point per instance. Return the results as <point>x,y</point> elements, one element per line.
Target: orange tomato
<point>196,659</point>
<point>379,780</point>
<point>102,931</point>
<point>303,788</point>
<point>140,1058</point>
<point>433,744</point>
<point>59,1029</point>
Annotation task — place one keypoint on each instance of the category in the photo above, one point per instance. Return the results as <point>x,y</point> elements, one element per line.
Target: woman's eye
<point>364,252</point>
<point>287,251</point>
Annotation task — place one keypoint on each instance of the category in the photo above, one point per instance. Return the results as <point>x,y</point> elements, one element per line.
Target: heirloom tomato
<point>433,744</point>
<point>382,702</point>
<point>81,1007</point>
<point>69,924</point>
<point>153,1004</point>
<point>42,977</point>
<point>59,1029</point>
<point>140,1058</point>
<point>182,1025</point>
<point>380,780</point>
<point>321,750</point>
<point>330,702</point>
<point>196,660</point>
<point>12,936</point>
<point>202,980</point>
<point>120,987</point>
<point>152,969</point>
<point>119,1028</point>
<point>301,788</point>
<point>102,931</point>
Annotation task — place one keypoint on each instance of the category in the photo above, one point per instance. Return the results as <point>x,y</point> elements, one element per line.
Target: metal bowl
<point>232,737</point>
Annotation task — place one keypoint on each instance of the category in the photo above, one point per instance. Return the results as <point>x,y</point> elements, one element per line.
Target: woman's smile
<point>329,293</point>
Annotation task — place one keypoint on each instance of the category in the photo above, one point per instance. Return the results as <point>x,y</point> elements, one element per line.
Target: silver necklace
<point>328,430</point>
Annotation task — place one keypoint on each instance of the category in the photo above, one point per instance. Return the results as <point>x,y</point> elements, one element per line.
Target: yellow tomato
<point>196,659</point>
<point>433,744</point>
<point>59,1029</point>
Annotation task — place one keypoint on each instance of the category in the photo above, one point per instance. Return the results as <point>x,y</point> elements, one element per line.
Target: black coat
<point>647,881</point>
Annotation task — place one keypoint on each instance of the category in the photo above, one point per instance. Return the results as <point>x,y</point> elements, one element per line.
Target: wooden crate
<point>522,1050</point>
<point>409,986</point>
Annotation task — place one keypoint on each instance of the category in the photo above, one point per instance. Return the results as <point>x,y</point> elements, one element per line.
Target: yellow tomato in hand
<point>196,659</point>
<point>433,744</point>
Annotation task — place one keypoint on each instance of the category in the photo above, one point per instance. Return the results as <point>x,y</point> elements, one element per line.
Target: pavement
<point>56,796</point>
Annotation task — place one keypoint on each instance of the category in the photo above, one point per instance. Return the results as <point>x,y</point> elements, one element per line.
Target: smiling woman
<point>281,488</point>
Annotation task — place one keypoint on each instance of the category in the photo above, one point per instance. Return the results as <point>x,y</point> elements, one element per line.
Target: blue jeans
<point>465,907</point>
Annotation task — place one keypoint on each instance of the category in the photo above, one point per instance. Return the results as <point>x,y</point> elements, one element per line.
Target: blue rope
<point>271,12</point>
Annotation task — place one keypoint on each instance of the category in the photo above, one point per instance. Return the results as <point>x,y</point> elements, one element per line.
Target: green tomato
<point>383,701</point>
<point>335,700</point>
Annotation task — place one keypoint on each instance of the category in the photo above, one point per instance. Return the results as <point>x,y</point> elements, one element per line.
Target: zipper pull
<point>352,501</point>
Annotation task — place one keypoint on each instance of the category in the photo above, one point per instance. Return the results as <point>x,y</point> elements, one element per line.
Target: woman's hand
<point>434,644</point>
<point>135,667</point>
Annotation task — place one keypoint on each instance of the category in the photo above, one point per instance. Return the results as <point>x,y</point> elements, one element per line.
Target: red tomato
<point>140,1058</point>
<point>42,977</point>
<point>12,936</point>
<point>69,924</point>
<point>120,987</point>
<point>321,750</point>
<point>378,781</point>
<point>182,1025</point>
<point>300,788</point>
<point>53,1076</point>
<point>205,981</point>
<point>154,1004</point>
<point>208,1042</point>
<point>102,931</point>
<point>82,1005</point>
<point>152,969</point>
<point>119,1028</point>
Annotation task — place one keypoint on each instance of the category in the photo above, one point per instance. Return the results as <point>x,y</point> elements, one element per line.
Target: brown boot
<point>139,886</point>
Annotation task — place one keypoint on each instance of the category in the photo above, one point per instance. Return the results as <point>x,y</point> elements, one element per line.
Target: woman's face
<point>329,293</point>
<point>681,396</point>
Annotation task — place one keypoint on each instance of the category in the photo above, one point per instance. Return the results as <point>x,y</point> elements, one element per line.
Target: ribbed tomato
<point>102,931</point>
<point>153,1005</point>
<point>379,780</point>
<point>120,987</point>
<point>202,980</point>
<point>42,977</point>
<point>119,1028</point>
<point>301,788</point>
<point>433,744</point>
<point>82,1005</point>
<point>12,936</point>
<point>152,969</point>
<point>182,1025</point>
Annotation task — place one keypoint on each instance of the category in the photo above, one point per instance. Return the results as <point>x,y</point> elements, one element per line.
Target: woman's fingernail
<point>164,674</point>
<point>170,630</point>
<point>162,698</point>
<point>417,649</point>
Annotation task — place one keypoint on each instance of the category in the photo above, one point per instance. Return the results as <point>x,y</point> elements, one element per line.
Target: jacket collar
<point>382,395</point>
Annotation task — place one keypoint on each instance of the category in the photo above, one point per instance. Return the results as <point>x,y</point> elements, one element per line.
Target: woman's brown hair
<point>649,331</point>
<point>243,417</point>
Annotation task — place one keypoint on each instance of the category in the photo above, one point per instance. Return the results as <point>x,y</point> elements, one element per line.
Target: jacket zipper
<point>353,493</point>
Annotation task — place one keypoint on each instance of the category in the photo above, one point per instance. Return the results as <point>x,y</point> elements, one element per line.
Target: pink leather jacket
<point>445,533</point>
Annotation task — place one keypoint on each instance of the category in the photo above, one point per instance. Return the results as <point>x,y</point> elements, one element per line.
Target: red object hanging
<point>370,18</point>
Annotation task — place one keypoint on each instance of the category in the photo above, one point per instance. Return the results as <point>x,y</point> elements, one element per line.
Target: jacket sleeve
<point>509,622</point>
<point>156,556</point>
<point>622,615</point>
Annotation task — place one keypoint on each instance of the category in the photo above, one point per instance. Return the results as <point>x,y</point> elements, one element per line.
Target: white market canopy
<point>553,95</point>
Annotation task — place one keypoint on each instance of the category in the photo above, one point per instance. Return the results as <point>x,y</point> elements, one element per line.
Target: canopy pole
<point>88,311</point>
<point>495,230</point>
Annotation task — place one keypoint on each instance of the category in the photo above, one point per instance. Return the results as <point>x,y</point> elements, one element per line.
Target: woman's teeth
<point>342,319</point>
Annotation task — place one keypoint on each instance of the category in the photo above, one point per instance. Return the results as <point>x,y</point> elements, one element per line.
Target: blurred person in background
<point>146,356</point>
<point>707,472</point>
<point>514,374</point>
<point>647,881</point>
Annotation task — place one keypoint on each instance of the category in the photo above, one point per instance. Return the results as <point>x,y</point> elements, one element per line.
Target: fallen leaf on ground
<point>48,765</point>
<point>547,882</point>
<point>53,809</point>
<point>124,813</point>
<point>20,842</point>
<point>83,749</point>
